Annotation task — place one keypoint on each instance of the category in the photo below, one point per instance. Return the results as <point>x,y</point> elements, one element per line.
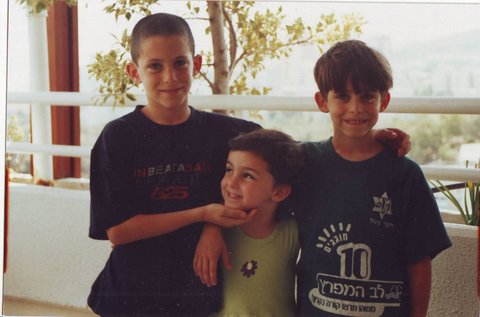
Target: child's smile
<point>355,122</point>
<point>165,68</point>
<point>353,114</point>
<point>247,182</point>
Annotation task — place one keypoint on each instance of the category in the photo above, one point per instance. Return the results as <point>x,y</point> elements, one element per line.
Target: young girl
<point>261,169</point>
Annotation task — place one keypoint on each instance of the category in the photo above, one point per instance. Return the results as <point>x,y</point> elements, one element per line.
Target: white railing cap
<point>440,105</point>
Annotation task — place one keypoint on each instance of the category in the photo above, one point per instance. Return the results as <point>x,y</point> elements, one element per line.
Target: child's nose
<point>356,105</point>
<point>233,181</point>
<point>169,75</point>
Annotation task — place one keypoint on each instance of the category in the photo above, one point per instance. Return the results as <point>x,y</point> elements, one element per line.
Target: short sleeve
<point>425,232</point>
<point>111,179</point>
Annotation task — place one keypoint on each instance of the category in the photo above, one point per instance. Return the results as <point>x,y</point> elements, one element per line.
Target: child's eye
<point>154,66</point>
<point>248,176</point>
<point>342,97</point>
<point>368,97</point>
<point>181,63</point>
<point>228,170</point>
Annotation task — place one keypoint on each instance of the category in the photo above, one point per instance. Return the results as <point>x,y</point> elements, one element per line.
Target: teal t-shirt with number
<point>361,225</point>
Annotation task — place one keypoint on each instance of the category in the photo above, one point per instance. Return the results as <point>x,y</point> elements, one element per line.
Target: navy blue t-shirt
<point>361,225</point>
<point>140,167</point>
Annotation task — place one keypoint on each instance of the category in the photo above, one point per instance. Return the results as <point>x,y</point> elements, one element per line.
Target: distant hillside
<point>463,43</point>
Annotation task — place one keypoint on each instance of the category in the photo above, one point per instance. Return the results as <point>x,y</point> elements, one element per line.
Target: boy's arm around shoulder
<point>114,216</point>
<point>145,226</point>
<point>211,246</point>
<point>395,139</point>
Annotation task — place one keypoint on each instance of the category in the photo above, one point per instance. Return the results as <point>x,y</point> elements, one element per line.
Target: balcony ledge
<point>48,223</point>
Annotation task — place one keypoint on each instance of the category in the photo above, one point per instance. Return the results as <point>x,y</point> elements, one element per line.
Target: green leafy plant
<point>37,6</point>
<point>17,162</point>
<point>470,209</point>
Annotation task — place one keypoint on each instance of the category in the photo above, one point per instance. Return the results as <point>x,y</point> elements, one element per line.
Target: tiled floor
<point>20,307</point>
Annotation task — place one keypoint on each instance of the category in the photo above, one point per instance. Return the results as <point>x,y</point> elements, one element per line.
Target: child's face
<point>353,115</point>
<point>166,68</point>
<point>247,183</point>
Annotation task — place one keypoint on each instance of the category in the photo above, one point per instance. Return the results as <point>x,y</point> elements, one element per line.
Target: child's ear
<point>281,192</point>
<point>132,72</point>
<point>197,64</point>
<point>321,102</point>
<point>385,101</point>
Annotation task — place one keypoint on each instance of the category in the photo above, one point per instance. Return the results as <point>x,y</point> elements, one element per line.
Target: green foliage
<point>252,37</point>
<point>437,138</point>
<point>110,69</point>
<point>471,199</point>
<point>127,8</point>
<point>258,36</point>
<point>14,132</point>
<point>37,6</point>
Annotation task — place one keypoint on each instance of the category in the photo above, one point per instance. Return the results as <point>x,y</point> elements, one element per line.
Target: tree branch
<point>209,82</point>
<point>298,42</point>
<point>196,18</point>
<point>220,59</point>
<point>233,41</point>
<point>244,53</point>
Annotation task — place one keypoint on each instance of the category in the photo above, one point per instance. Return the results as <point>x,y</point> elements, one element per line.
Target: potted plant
<point>470,208</point>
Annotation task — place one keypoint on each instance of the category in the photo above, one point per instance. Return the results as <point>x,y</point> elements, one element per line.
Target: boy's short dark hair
<point>159,24</point>
<point>352,60</point>
<point>283,155</point>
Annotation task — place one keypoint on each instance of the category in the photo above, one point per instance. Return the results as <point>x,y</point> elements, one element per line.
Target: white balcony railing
<point>269,103</point>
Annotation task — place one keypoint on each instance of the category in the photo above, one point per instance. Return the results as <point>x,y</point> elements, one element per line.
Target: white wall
<point>454,275</point>
<point>52,259</point>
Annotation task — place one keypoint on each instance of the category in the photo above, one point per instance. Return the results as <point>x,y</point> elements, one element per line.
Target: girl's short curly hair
<point>283,155</point>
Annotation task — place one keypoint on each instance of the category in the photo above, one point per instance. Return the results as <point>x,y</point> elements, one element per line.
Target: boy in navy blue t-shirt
<point>154,182</point>
<point>369,225</point>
